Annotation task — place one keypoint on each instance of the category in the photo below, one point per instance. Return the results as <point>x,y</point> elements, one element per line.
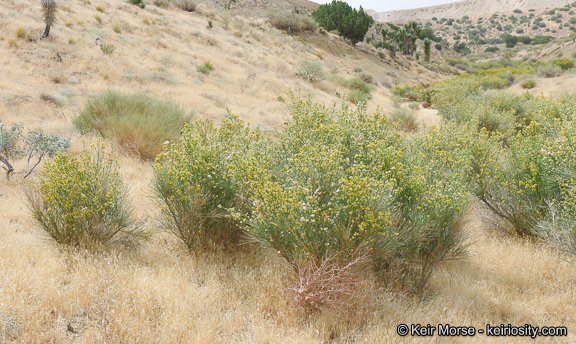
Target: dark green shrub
<point>541,40</point>
<point>461,48</point>
<point>350,23</point>
<point>140,3</point>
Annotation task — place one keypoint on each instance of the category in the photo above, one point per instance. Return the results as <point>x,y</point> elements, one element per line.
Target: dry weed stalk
<point>331,285</point>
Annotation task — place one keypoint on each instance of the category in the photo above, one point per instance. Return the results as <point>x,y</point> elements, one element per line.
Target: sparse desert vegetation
<point>259,179</point>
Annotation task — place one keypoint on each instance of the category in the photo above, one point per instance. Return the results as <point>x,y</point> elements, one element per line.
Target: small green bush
<point>107,49</point>
<point>357,96</point>
<point>311,71</point>
<point>82,201</point>
<point>139,123</point>
<point>205,68</point>
<point>408,92</point>
<point>359,84</point>
<point>528,83</point>
<point>498,82</point>
<point>405,119</point>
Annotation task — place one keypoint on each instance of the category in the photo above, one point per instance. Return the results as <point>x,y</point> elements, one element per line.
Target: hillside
<point>482,32</point>
<point>158,50</point>
<point>465,8</point>
<point>529,32</point>
<point>213,63</point>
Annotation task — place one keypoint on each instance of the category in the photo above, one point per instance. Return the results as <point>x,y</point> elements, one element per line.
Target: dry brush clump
<point>292,22</point>
<point>330,285</point>
<point>404,119</point>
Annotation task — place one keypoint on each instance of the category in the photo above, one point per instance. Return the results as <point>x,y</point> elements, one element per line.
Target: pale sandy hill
<point>462,8</point>
<point>157,50</point>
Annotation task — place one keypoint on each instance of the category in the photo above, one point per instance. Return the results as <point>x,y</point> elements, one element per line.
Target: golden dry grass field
<point>159,292</point>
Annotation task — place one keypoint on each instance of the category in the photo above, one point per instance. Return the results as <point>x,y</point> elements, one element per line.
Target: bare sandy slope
<point>157,51</point>
<point>462,8</point>
<point>549,87</point>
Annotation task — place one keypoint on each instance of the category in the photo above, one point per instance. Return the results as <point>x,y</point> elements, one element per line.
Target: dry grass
<point>158,293</point>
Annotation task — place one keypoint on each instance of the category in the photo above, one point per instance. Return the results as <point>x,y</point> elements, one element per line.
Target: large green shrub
<point>336,185</point>
<point>82,201</point>
<point>522,165</point>
<point>199,179</point>
<point>343,184</point>
<point>139,123</point>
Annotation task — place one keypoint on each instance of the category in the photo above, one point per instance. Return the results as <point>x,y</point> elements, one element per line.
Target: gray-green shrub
<point>139,123</point>
<point>311,71</point>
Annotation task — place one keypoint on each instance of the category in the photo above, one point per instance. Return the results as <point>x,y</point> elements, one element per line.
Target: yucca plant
<point>49,12</point>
